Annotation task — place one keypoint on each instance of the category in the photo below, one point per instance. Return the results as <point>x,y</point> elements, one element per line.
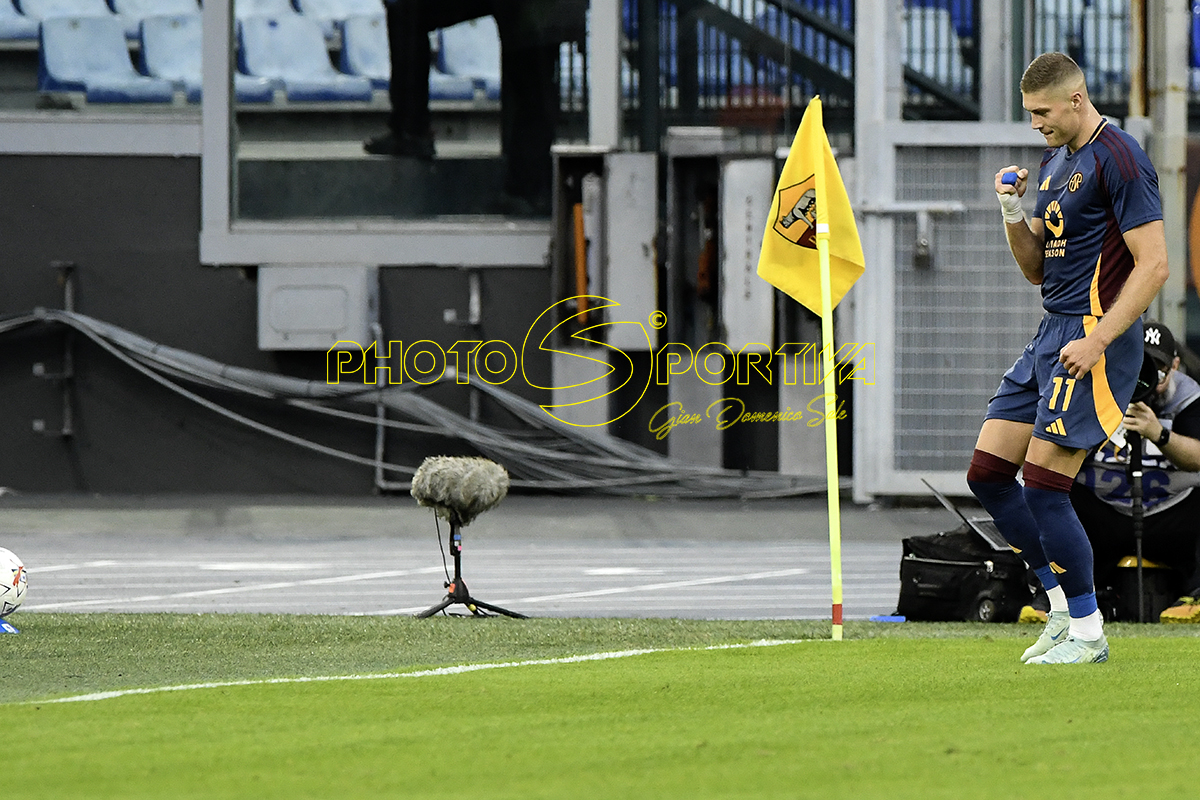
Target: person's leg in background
<point>529,104</point>
<point>409,23</point>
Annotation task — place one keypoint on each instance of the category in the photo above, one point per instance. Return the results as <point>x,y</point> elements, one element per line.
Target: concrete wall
<point>131,225</point>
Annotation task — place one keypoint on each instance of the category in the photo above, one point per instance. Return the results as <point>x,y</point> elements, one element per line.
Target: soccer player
<point>1097,249</point>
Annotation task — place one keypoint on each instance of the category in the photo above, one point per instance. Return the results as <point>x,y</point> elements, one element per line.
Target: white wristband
<point>1010,207</point>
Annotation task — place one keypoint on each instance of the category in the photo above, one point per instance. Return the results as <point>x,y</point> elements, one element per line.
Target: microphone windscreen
<point>459,488</point>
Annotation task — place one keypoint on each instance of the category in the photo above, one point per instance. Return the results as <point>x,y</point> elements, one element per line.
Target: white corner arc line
<point>422,673</point>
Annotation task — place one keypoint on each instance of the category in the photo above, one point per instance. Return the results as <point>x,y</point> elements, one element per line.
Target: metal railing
<point>754,64</point>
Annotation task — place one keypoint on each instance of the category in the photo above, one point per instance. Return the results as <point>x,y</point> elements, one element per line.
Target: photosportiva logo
<point>496,362</point>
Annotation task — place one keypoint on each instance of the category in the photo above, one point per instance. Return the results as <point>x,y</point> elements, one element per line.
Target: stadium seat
<point>89,54</point>
<point>331,13</point>
<point>930,46</point>
<point>1057,27</point>
<point>262,8</point>
<point>15,26</point>
<point>171,49</point>
<point>471,49</point>
<point>1195,47</point>
<point>291,50</point>
<point>962,13</point>
<point>1105,50</point>
<point>132,12</point>
<point>365,52</point>
<point>45,9</point>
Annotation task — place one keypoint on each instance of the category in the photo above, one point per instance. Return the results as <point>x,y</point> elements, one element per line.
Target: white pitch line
<point>65,567</point>
<point>423,673</point>
<point>647,587</point>
<point>256,587</point>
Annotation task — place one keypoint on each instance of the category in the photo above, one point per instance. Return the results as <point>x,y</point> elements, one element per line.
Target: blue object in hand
<point>1010,178</point>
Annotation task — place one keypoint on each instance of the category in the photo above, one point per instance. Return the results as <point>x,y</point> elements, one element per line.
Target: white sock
<point>1058,599</point>
<point>1089,628</point>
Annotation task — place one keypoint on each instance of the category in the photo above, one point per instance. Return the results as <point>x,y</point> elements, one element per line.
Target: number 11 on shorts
<point>1058,385</point>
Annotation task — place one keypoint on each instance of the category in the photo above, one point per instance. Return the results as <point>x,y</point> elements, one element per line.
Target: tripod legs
<point>457,593</point>
<point>456,590</point>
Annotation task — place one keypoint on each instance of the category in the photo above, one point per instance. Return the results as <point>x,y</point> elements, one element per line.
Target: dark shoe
<point>403,146</point>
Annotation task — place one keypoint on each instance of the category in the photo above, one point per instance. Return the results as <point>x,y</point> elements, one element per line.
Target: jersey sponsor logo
<point>1054,219</point>
<point>1045,184</point>
<point>1075,182</point>
<point>1057,428</point>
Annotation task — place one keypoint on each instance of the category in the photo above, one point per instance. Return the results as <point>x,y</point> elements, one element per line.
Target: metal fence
<point>960,321</point>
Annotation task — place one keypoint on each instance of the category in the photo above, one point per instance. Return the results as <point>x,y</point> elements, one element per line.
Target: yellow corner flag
<point>811,252</point>
<point>788,260</point>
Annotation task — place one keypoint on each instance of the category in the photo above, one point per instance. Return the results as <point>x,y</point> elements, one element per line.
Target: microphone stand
<point>1135,495</point>
<point>457,592</point>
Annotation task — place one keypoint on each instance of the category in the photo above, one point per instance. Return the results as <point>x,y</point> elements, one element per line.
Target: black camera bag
<point>960,575</point>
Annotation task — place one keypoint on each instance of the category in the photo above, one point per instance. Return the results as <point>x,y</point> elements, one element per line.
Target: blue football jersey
<point>1087,200</point>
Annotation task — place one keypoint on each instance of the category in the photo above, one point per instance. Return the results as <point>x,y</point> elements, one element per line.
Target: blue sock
<point>1066,546</point>
<point>1046,576</point>
<point>993,481</point>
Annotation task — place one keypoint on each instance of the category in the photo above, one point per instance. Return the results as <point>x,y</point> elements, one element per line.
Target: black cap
<point>1159,343</point>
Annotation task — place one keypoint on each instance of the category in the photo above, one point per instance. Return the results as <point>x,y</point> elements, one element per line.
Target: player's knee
<point>1047,480</point>
<point>988,468</point>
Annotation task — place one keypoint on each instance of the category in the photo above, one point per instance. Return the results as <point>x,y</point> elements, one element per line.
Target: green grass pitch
<point>895,711</point>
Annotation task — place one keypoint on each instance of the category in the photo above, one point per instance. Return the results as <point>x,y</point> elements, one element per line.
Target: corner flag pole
<point>828,367</point>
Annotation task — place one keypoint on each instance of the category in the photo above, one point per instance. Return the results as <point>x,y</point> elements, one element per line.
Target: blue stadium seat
<point>171,49</point>
<point>1105,54</point>
<point>962,13</point>
<point>132,12</point>
<point>262,8</point>
<point>331,13</point>
<point>89,54</point>
<point>471,49</point>
<point>1057,26</point>
<point>291,50</point>
<point>365,52</point>
<point>15,26</point>
<point>835,56</point>
<point>45,9</point>
<point>930,46</point>
<point>1195,61</point>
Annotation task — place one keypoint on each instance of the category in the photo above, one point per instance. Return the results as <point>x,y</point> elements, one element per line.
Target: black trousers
<point>1171,537</point>
<point>528,90</point>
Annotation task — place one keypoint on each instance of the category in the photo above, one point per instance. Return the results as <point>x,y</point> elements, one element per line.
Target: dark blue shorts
<point>1074,413</point>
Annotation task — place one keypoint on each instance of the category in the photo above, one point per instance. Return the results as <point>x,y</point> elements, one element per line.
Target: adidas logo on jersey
<point>1057,428</point>
<point>1045,184</point>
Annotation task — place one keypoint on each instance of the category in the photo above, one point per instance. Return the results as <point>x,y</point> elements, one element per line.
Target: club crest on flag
<point>797,220</point>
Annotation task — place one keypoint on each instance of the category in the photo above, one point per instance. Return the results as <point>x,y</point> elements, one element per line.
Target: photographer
<point>1168,420</point>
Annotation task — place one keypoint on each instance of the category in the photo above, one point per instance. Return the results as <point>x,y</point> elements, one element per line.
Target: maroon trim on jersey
<point>1121,153</point>
<point>1116,262</point>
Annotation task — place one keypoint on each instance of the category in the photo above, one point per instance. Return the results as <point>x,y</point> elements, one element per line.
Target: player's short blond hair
<point>1052,70</point>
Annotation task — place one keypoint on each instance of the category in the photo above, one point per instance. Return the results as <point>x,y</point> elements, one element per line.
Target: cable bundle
<point>546,455</point>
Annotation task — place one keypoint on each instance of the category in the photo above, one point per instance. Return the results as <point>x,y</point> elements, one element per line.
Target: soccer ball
<point>13,580</point>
